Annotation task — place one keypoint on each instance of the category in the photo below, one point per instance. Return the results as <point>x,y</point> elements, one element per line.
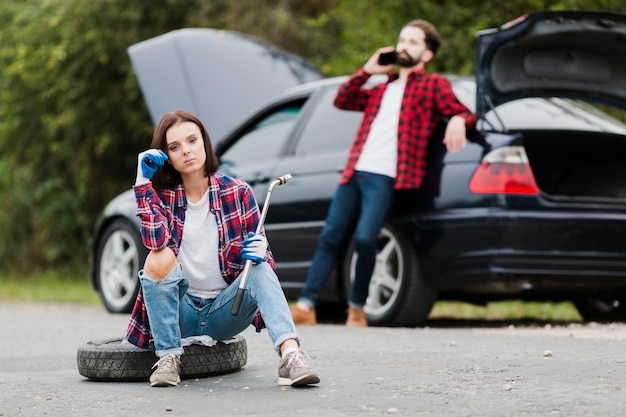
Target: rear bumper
<point>502,251</point>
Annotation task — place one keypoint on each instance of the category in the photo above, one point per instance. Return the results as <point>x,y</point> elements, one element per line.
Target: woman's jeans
<point>174,314</point>
<point>365,201</point>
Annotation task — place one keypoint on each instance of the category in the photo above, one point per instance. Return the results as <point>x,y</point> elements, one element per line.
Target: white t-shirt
<point>198,250</point>
<point>380,152</point>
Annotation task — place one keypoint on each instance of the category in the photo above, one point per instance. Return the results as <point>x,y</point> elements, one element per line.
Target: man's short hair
<point>433,41</point>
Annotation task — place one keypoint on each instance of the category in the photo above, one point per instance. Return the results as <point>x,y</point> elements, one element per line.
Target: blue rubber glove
<point>254,248</point>
<point>147,164</point>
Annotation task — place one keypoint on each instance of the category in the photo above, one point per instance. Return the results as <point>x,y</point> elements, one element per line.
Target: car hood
<point>575,53</point>
<point>218,75</point>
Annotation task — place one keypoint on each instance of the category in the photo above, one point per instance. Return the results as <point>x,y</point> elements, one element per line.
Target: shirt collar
<point>394,75</point>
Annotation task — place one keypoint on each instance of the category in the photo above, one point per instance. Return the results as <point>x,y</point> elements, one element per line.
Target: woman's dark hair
<point>167,176</point>
<point>433,41</point>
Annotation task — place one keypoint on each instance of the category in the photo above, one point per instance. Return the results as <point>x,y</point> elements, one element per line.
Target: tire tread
<point>109,360</point>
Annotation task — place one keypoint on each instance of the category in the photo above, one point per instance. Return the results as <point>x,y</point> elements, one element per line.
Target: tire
<point>109,360</point>
<point>119,256</point>
<point>601,309</point>
<point>399,294</point>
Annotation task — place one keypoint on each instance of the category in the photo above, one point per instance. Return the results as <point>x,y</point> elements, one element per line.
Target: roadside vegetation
<point>73,288</point>
<point>51,286</point>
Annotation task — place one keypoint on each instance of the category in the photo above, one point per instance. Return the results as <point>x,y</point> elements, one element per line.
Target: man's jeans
<point>174,314</point>
<point>365,201</point>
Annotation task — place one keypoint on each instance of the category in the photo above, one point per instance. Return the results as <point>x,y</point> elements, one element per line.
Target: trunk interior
<point>578,166</point>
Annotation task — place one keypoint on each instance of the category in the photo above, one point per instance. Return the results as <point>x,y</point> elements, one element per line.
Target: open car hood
<point>220,76</point>
<point>573,53</point>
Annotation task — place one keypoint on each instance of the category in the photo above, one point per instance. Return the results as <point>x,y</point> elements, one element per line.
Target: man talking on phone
<point>388,153</point>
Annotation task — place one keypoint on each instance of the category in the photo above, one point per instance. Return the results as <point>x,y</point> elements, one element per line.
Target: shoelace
<point>299,359</point>
<point>166,363</point>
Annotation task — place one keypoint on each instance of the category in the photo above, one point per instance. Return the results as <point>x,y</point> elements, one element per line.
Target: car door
<point>315,160</point>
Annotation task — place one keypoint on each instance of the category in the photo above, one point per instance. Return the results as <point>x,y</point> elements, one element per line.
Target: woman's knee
<point>262,274</point>
<point>159,263</point>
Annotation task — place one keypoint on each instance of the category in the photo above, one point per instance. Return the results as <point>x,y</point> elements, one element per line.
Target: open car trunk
<point>581,167</point>
<point>553,53</point>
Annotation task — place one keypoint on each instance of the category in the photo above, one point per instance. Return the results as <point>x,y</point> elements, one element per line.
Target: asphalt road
<point>464,369</point>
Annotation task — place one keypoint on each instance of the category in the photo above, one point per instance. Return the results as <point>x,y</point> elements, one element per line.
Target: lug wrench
<point>283,179</point>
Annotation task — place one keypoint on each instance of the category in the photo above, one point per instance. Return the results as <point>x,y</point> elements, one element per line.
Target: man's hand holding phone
<point>387,58</point>
<point>382,61</point>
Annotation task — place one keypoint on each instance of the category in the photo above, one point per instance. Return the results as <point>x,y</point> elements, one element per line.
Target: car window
<point>266,139</point>
<point>328,128</point>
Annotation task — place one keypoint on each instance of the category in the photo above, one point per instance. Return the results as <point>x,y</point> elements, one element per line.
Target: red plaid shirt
<point>428,98</point>
<point>162,215</point>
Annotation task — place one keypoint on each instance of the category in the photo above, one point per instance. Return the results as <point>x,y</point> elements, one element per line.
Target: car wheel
<point>399,294</point>
<point>118,259</point>
<point>110,360</point>
<point>601,309</point>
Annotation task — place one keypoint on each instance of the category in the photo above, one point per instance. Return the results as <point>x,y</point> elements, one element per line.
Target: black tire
<point>399,294</point>
<point>601,309</point>
<point>109,360</point>
<point>119,256</point>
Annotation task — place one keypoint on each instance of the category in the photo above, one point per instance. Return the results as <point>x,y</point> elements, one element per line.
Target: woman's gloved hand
<point>147,164</point>
<point>254,248</point>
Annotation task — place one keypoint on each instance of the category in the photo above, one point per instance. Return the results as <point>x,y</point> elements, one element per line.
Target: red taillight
<point>504,171</point>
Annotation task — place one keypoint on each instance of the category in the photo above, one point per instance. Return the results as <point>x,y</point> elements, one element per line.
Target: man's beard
<point>405,60</point>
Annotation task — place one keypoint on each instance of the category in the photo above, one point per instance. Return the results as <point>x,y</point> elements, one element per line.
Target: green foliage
<point>506,310</point>
<point>72,118</point>
<point>66,286</point>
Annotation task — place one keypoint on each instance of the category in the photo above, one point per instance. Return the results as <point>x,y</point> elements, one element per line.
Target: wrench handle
<point>246,269</point>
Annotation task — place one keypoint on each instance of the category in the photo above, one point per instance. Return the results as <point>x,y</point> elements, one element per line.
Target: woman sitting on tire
<point>199,227</point>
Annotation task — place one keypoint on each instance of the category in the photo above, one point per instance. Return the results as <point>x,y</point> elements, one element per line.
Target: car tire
<point>119,256</point>
<point>601,309</point>
<point>110,360</point>
<point>399,294</point>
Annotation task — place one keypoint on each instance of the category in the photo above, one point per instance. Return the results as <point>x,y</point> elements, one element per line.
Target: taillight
<point>504,171</point>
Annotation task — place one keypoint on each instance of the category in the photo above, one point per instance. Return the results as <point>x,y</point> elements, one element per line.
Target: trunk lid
<point>568,54</point>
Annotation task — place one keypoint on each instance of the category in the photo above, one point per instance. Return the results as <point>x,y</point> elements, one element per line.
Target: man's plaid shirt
<point>162,215</point>
<point>428,99</point>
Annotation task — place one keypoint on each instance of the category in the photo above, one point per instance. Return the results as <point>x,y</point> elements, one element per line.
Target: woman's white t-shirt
<point>198,250</point>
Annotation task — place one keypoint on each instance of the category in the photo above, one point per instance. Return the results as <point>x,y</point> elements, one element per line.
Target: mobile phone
<point>387,58</point>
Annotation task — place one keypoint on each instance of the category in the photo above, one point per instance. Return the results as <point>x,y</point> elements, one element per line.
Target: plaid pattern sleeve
<point>161,216</point>
<point>351,94</point>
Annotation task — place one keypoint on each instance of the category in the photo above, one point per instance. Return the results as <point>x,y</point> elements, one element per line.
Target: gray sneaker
<point>167,372</point>
<point>294,369</point>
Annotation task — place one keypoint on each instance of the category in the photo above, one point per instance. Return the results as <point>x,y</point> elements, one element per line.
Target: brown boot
<point>301,316</point>
<point>356,317</point>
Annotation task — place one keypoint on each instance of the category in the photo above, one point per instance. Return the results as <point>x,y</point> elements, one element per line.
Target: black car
<point>534,207</point>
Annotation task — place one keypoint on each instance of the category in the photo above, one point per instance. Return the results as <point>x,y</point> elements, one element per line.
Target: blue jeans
<point>174,314</point>
<point>364,201</point>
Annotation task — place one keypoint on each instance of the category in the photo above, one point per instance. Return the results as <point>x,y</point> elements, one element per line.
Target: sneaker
<point>301,316</point>
<point>294,369</point>
<point>356,317</point>
<point>167,372</point>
